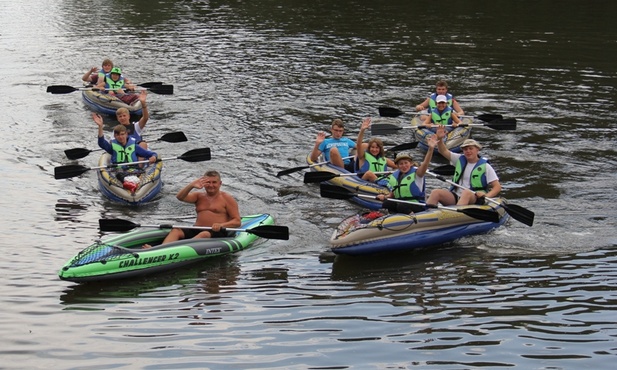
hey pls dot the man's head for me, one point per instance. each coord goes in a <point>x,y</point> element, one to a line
<point>337,129</point>
<point>211,182</point>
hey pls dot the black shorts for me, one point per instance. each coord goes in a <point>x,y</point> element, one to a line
<point>351,165</point>
<point>191,233</point>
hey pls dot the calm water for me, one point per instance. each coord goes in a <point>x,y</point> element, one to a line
<point>255,81</point>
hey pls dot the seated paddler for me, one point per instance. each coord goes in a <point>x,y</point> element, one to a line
<point>407,183</point>
<point>122,148</point>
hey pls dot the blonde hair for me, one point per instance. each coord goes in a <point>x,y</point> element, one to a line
<point>122,110</point>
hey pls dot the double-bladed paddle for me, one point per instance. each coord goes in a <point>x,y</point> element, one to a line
<point>300,168</point>
<point>389,128</point>
<point>517,212</point>
<point>312,177</point>
<point>72,170</point>
<point>152,87</point>
<point>336,192</point>
<point>171,137</point>
<point>393,112</point>
<point>263,231</point>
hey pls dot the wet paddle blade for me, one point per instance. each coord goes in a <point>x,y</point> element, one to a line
<point>502,124</point>
<point>520,214</point>
<point>334,192</point>
<point>174,137</point>
<point>162,89</point>
<point>116,225</point>
<point>77,153</point>
<point>270,232</point>
<point>393,205</point>
<point>71,170</point>
<point>384,129</point>
<point>61,89</point>
<point>389,112</point>
<point>150,84</point>
<point>312,177</point>
<point>445,170</point>
<point>481,214</point>
<point>401,147</point>
<point>489,117</point>
<point>196,155</point>
<point>292,170</point>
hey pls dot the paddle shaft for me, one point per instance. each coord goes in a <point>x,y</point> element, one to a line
<point>172,137</point>
<point>335,192</point>
<point>517,212</point>
<point>300,168</point>
<point>265,231</point>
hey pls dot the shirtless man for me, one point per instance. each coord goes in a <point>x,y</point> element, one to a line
<point>215,208</point>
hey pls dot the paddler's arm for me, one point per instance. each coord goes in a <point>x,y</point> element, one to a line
<point>441,146</point>
<point>321,136</point>
<point>185,195</point>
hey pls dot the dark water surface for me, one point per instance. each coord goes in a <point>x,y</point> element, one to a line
<point>255,81</point>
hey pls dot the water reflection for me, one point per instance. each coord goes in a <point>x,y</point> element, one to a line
<point>207,277</point>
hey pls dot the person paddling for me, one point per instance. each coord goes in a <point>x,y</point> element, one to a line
<point>471,171</point>
<point>215,208</point>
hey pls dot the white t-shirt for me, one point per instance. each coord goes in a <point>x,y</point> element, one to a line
<point>491,175</point>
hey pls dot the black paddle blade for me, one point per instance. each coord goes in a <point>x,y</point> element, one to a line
<point>403,207</point>
<point>445,170</point>
<point>520,214</point>
<point>174,137</point>
<point>77,153</point>
<point>150,84</point>
<point>384,129</point>
<point>196,155</point>
<point>481,214</point>
<point>312,177</point>
<point>61,89</point>
<point>292,170</point>
<point>334,192</point>
<point>270,232</point>
<point>389,112</point>
<point>162,89</point>
<point>116,225</point>
<point>502,124</point>
<point>401,147</point>
<point>71,170</point>
<point>489,117</point>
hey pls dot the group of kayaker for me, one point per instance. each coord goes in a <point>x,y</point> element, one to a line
<point>407,182</point>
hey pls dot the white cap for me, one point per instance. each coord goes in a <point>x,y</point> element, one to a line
<point>441,98</point>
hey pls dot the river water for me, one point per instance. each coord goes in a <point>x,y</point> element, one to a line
<point>255,81</point>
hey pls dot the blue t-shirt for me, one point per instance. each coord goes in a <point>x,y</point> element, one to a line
<point>343,145</point>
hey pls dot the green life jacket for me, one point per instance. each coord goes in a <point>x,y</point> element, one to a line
<point>404,187</point>
<point>123,154</point>
<point>373,164</point>
<point>478,174</point>
<point>113,85</point>
<point>432,104</point>
<point>441,118</point>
